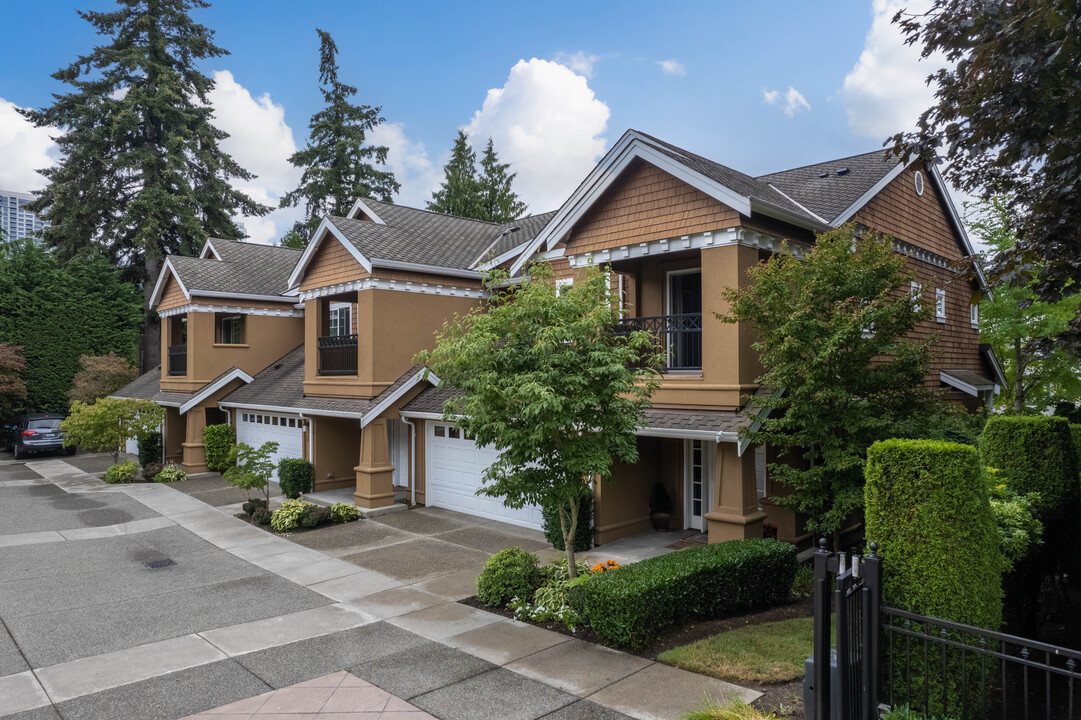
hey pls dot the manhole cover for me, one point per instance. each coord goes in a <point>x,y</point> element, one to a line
<point>155,564</point>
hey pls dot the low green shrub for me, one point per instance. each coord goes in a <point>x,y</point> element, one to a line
<point>254,504</point>
<point>629,605</point>
<point>344,512</point>
<point>1075,436</point>
<point>550,602</point>
<point>149,449</point>
<point>295,476</point>
<point>583,533</point>
<point>124,472</point>
<point>261,516</point>
<point>511,573</point>
<point>150,470</point>
<point>289,515</point>
<point>170,473</point>
<point>218,441</point>
<point>904,712</point>
<point>1034,454</point>
<point>315,517</point>
<point>1017,519</point>
<point>803,584</point>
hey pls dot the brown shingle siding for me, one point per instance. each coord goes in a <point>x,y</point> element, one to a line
<point>172,296</point>
<point>331,265</point>
<point>958,344</point>
<point>917,219</point>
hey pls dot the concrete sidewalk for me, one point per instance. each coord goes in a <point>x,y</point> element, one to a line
<point>98,626</point>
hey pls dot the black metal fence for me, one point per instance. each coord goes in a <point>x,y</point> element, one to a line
<point>679,337</point>
<point>887,657</point>
<point>178,359</point>
<point>338,355</point>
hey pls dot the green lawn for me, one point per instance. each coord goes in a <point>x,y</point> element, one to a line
<point>768,653</point>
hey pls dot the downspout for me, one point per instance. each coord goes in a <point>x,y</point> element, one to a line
<point>311,444</point>
<point>412,459</point>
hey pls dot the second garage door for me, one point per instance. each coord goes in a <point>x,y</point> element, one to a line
<point>455,467</point>
<point>258,428</point>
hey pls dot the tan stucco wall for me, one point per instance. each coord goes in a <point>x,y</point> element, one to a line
<point>337,451</point>
<point>173,437</point>
<point>622,503</point>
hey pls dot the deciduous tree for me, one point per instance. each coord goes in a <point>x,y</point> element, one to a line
<point>12,385</point>
<point>339,166</point>
<point>100,375</point>
<point>109,423</point>
<point>547,384</point>
<point>252,467</point>
<point>832,334</point>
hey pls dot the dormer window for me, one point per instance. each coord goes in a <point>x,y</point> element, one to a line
<point>230,329</point>
<point>341,320</point>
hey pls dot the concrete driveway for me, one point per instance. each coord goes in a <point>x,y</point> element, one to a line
<point>142,601</point>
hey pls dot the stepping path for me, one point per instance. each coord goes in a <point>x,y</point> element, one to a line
<point>381,613</point>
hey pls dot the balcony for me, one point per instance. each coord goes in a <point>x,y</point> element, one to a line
<point>178,359</point>
<point>338,355</point>
<point>679,337</point>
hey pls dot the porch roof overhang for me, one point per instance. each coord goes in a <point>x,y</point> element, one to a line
<point>968,382</point>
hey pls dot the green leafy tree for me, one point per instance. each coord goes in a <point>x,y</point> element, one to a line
<point>100,375</point>
<point>60,313</point>
<point>12,385</point>
<point>1007,119</point>
<point>459,194</point>
<point>109,423</point>
<point>294,239</point>
<point>832,334</point>
<point>1015,322</point>
<point>338,166</point>
<point>498,201</point>
<point>547,384</point>
<point>141,173</point>
<point>252,467</point>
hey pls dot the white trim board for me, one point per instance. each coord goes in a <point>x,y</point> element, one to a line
<point>159,286</point>
<point>422,375</point>
<point>698,241</point>
<point>963,386</point>
<point>199,307</point>
<point>359,206</point>
<point>403,286</point>
<point>214,386</point>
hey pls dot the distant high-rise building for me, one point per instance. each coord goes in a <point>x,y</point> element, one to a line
<point>15,220</point>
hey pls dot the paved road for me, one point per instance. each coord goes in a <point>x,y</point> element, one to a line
<point>140,601</point>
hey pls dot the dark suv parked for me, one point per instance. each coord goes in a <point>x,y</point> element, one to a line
<point>35,432</point>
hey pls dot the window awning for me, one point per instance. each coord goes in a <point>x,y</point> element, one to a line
<point>967,382</point>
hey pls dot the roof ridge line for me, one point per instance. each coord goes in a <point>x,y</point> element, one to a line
<point>433,212</point>
<point>820,162</point>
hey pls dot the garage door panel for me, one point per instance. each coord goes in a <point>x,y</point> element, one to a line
<point>290,439</point>
<point>457,467</point>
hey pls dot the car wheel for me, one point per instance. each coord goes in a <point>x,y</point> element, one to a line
<point>19,453</point>
<point>71,450</point>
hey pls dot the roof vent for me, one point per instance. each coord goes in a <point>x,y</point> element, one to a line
<point>823,175</point>
<point>842,171</point>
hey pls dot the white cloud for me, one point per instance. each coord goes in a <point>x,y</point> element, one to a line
<point>885,91</point>
<point>25,149</point>
<point>418,175</point>
<point>794,102</point>
<point>672,67</point>
<point>580,62</point>
<point>261,142</point>
<point>548,124</point>
<point>770,96</point>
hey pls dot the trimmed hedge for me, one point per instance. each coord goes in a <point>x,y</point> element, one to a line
<point>583,534</point>
<point>1034,454</point>
<point>122,472</point>
<point>1075,436</point>
<point>629,605</point>
<point>150,449</point>
<point>218,441</point>
<point>510,573</point>
<point>295,476</point>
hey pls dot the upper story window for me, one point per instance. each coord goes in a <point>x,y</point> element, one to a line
<point>230,329</point>
<point>974,316</point>
<point>916,291</point>
<point>341,319</point>
<point>940,305</point>
<point>563,284</point>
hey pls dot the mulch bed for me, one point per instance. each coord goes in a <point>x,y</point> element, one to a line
<point>787,695</point>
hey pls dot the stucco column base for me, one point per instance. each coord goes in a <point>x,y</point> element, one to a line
<point>194,458</point>
<point>732,526</point>
<point>375,486</point>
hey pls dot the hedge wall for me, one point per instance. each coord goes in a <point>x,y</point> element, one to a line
<point>218,441</point>
<point>1034,454</point>
<point>1075,436</point>
<point>927,507</point>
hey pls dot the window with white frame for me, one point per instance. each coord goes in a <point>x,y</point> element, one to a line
<point>563,284</point>
<point>940,305</point>
<point>974,315</point>
<point>230,329</point>
<point>916,291</point>
<point>341,319</point>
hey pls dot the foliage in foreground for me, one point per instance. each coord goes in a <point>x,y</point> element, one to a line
<point>510,573</point>
<point>735,710</point>
<point>122,472</point>
<point>1034,454</point>
<point>109,423</point>
<point>295,477</point>
<point>824,324</point>
<point>12,385</point>
<point>170,473</point>
<point>773,652</point>
<point>218,442</point>
<point>251,468</point>
<point>295,514</point>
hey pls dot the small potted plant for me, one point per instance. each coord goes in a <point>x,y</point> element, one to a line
<point>660,507</point>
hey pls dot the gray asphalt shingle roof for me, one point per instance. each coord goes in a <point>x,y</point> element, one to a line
<point>148,387</point>
<point>831,195</point>
<point>244,269</point>
<point>970,378</point>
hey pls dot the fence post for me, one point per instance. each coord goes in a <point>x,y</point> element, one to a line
<point>872,624</point>
<point>821,679</point>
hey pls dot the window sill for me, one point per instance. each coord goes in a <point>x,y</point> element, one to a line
<point>940,320</point>
<point>231,345</point>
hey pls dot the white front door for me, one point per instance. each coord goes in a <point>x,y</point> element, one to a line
<point>697,463</point>
<point>286,430</point>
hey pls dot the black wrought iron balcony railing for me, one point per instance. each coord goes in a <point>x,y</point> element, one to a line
<point>678,337</point>
<point>178,359</point>
<point>338,355</point>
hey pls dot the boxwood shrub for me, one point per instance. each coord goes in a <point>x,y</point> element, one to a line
<point>125,472</point>
<point>510,573</point>
<point>295,476</point>
<point>583,534</point>
<point>218,441</point>
<point>1034,454</point>
<point>631,604</point>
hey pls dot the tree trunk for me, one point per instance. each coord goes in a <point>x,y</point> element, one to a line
<point>1018,377</point>
<point>569,525</point>
<point>150,350</point>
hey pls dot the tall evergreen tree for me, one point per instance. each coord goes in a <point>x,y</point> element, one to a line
<point>142,174</point>
<point>459,194</point>
<point>498,201</point>
<point>338,166</point>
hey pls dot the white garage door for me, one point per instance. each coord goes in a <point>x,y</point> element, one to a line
<point>455,466</point>
<point>258,428</point>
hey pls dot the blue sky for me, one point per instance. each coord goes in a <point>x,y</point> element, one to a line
<point>758,86</point>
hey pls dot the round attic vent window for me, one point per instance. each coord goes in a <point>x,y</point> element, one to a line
<point>919,182</point>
